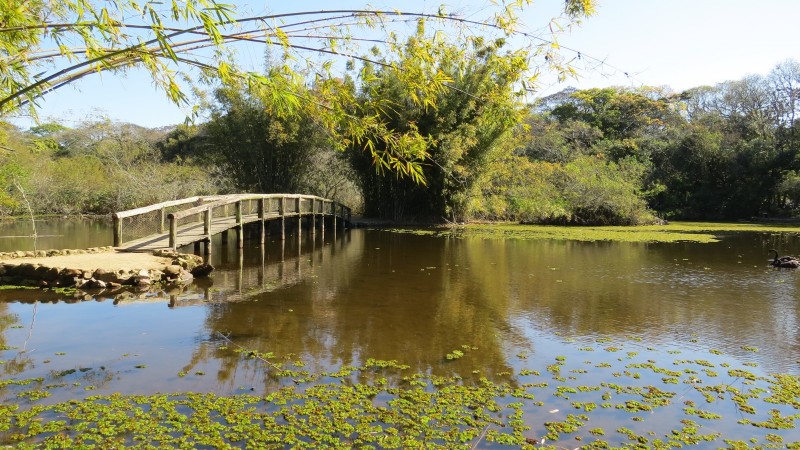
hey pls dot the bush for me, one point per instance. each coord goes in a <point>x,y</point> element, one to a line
<point>585,191</point>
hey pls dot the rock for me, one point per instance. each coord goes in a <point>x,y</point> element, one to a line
<point>166,253</point>
<point>68,277</point>
<point>51,274</point>
<point>141,281</point>
<point>71,273</point>
<point>186,277</point>
<point>203,270</point>
<point>10,269</point>
<point>94,284</point>
<point>27,271</point>
<point>41,272</point>
<point>108,276</point>
<point>99,273</point>
<point>121,276</point>
<point>122,297</point>
<point>172,272</point>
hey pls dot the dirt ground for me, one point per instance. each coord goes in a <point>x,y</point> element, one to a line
<point>112,261</point>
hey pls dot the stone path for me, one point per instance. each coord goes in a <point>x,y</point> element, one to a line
<point>89,261</point>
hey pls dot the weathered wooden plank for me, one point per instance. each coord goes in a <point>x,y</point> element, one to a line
<point>188,233</point>
<point>157,206</point>
<point>202,228</point>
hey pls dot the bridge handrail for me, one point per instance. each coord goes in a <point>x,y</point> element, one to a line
<point>170,203</point>
<point>204,207</point>
<point>242,197</point>
<point>156,207</point>
<point>208,203</point>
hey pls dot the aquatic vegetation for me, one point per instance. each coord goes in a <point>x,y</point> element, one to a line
<point>362,407</point>
<point>455,354</point>
<point>672,232</point>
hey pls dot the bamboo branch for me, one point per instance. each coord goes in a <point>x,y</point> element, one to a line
<point>249,352</point>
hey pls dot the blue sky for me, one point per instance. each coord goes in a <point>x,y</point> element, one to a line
<point>676,43</point>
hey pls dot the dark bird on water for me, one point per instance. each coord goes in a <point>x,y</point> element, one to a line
<point>786,262</point>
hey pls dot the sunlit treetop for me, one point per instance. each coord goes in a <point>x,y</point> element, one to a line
<point>47,44</point>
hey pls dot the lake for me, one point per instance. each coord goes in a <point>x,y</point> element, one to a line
<point>568,321</point>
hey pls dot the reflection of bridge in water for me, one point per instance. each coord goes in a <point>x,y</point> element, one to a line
<point>196,219</point>
<point>282,264</point>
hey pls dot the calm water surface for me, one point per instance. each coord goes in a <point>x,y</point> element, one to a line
<point>509,305</point>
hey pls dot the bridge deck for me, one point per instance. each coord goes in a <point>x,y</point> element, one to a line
<point>192,232</point>
<point>187,216</point>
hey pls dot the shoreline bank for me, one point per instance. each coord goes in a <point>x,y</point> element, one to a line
<point>99,268</point>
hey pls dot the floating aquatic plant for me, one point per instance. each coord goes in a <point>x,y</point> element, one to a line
<point>382,403</point>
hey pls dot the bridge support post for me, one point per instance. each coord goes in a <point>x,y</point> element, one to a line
<point>322,225</point>
<point>313,218</point>
<point>207,225</point>
<point>239,225</point>
<point>117,231</point>
<point>335,218</point>
<point>299,218</point>
<point>282,212</point>
<point>261,218</point>
<point>173,233</point>
<point>162,216</point>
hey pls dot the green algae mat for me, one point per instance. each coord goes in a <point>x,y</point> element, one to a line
<point>673,232</point>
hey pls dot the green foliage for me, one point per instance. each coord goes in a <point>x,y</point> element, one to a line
<point>588,190</point>
<point>257,148</point>
<point>386,404</point>
<point>262,152</point>
<point>100,168</point>
<point>91,36</point>
<point>723,152</point>
<point>599,192</point>
<point>458,131</point>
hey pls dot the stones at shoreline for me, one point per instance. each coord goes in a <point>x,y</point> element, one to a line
<point>181,271</point>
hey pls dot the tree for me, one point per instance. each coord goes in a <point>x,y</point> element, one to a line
<point>458,140</point>
<point>90,37</point>
<point>256,148</point>
<point>97,167</point>
<point>626,119</point>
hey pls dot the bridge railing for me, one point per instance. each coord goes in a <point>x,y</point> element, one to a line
<point>168,217</point>
<point>145,221</point>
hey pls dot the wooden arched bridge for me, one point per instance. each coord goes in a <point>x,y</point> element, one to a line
<point>173,224</point>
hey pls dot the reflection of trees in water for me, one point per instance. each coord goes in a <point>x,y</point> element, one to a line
<point>781,293</point>
<point>415,299</point>
<point>723,292</point>
<point>380,295</point>
<point>20,362</point>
